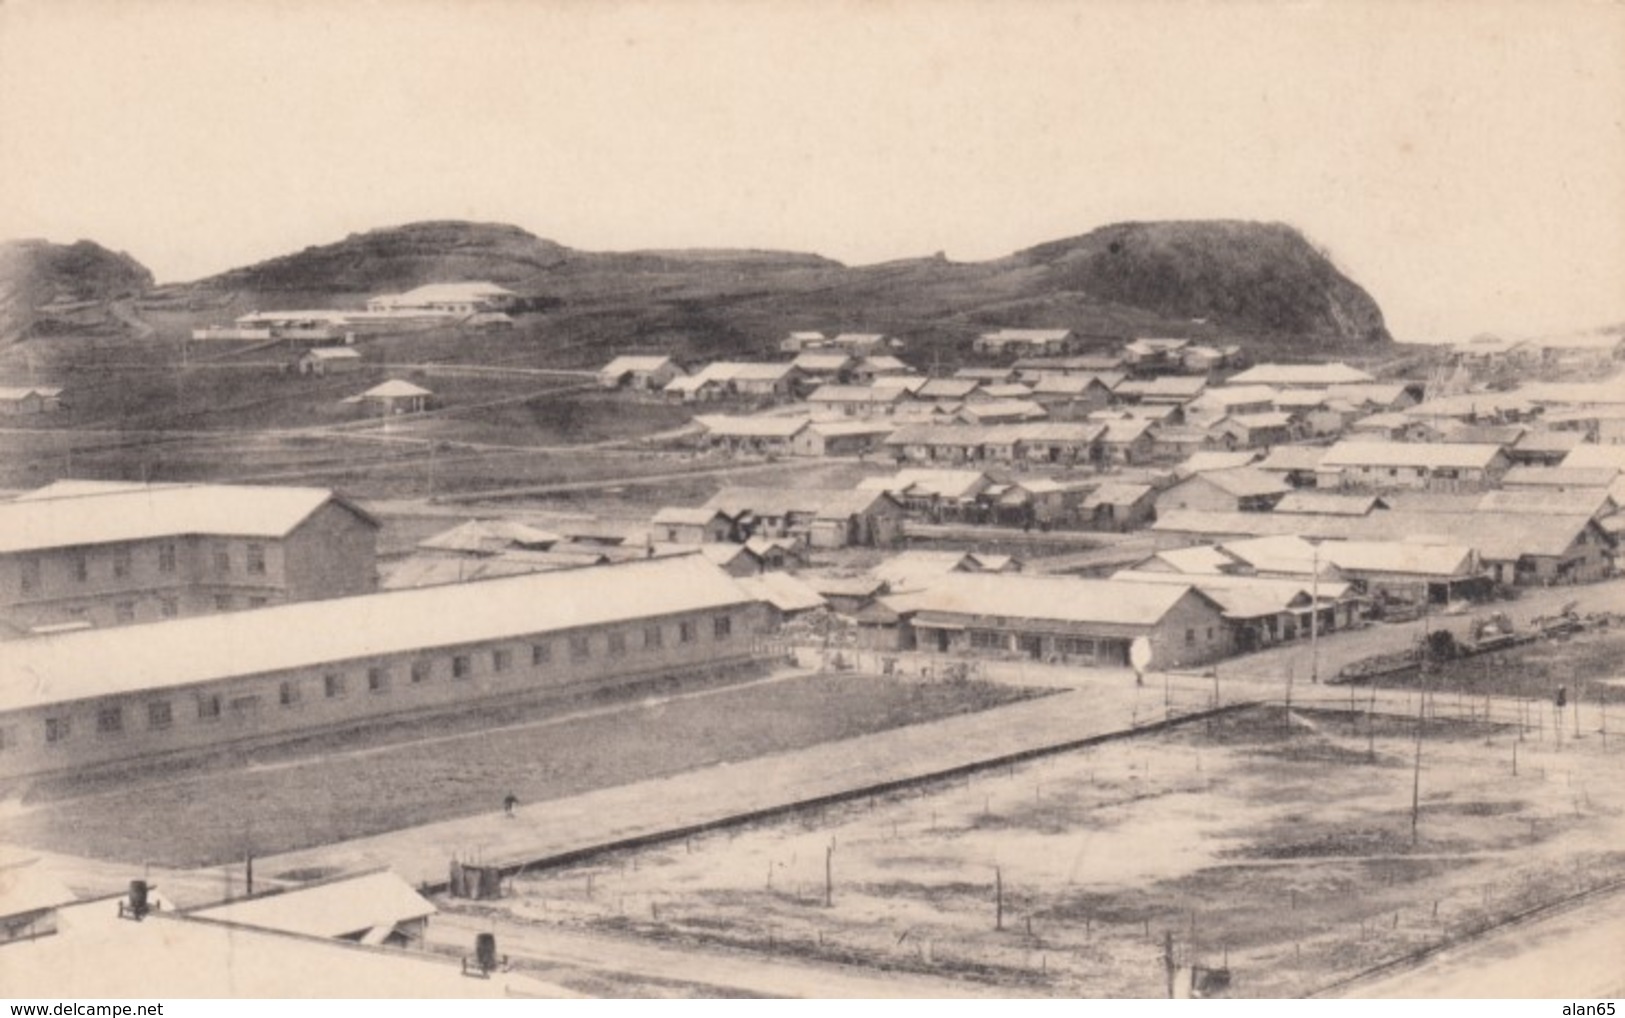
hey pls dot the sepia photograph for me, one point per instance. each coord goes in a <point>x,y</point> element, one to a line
<point>931,499</point>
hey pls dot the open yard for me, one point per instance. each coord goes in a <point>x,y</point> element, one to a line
<point>1277,843</point>
<point>1577,663</point>
<point>356,783</point>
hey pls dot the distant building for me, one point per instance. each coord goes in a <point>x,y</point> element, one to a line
<point>1025,342</point>
<point>643,374</point>
<point>456,299</point>
<point>394,397</point>
<point>329,360</point>
<point>1431,466</point>
<point>1302,376</point>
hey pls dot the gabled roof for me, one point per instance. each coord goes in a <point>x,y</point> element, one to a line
<point>147,512</point>
<point>489,537</point>
<point>816,360</point>
<point>1434,455</point>
<point>1549,502</point>
<point>1328,503</point>
<point>746,371</point>
<point>1560,477</point>
<point>883,362</point>
<point>1237,395</point>
<point>333,353</point>
<point>1301,374</point>
<point>783,591</point>
<point>1400,557</point>
<point>395,388</point>
<point>1590,455</point>
<point>1288,458</point>
<point>1116,493</point>
<point>333,908</point>
<point>1270,419</point>
<point>132,659</point>
<point>1121,432</point>
<point>1242,482</point>
<point>856,394</point>
<point>820,503</point>
<point>634,363</point>
<point>751,427</point>
<point>951,484</point>
<point>1066,385</point>
<point>1004,409</point>
<point>1172,386</point>
<point>1006,390</point>
<point>1049,598</point>
<point>1208,461</point>
<point>947,388</point>
<point>832,429</point>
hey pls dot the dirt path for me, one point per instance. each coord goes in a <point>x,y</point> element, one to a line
<point>766,976</point>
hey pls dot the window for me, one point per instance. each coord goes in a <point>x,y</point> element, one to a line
<point>168,607</point>
<point>541,653</point>
<point>159,714</point>
<point>222,602</point>
<point>222,558</point>
<point>421,670</point>
<point>80,566</point>
<point>501,660</point>
<point>110,720</point>
<point>333,685</point>
<point>288,694</point>
<point>462,666</point>
<point>256,559</point>
<point>166,557</point>
<point>377,680</point>
<point>1190,636</point>
<point>57,729</point>
<point>208,707</point>
<point>8,738</point>
<point>986,639</point>
<point>722,627</point>
<point>686,632</point>
<point>258,602</point>
<point>580,648</point>
<point>124,611</point>
<point>30,575</point>
<point>1210,634</point>
<point>121,562</point>
<point>651,637</point>
<point>617,644</point>
<point>1075,646</point>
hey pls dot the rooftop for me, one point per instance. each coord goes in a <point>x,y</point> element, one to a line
<point>127,659</point>
<point>1059,599</point>
<point>77,513</point>
<point>332,908</point>
<point>1301,374</point>
<point>1434,455</point>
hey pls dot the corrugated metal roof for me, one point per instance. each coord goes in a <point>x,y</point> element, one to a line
<point>395,388</point>
<point>147,512</point>
<point>622,365</point>
<point>752,427</point>
<point>165,655</point>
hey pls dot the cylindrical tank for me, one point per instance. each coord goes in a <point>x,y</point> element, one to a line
<point>138,897</point>
<point>485,950</point>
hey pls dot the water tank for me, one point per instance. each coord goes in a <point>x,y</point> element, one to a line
<point>138,897</point>
<point>485,951</point>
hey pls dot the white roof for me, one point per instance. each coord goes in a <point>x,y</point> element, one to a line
<point>1059,599</point>
<point>27,886</point>
<point>751,427</point>
<point>1210,460</point>
<point>1435,455</point>
<point>128,659</point>
<point>488,537</point>
<point>814,360</point>
<point>1027,335</point>
<point>945,483</point>
<point>75,513</point>
<point>1301,374</point>
<point>171,956</point>
<point>783,591</point>
<point>1589,455</point>
<point>333,353</point>
<point>448,292</point>
<point>331,909</point>
<point>621,365</point>
<point>395,388</point>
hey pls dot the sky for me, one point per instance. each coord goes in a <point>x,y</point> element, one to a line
<point>1463,162</point>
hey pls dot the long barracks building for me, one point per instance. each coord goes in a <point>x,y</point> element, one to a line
<point>99,697</point>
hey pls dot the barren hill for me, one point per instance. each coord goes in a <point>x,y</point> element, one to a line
<point>48,288</point>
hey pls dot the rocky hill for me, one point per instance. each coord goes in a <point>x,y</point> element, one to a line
<point>1247,282</point>
<point>1265,276</point>
<point>49,288</point>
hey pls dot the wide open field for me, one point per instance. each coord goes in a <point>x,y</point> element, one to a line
<point>353,784</point>
<point>1269,841</point>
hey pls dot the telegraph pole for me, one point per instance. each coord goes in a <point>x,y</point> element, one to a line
<point>1314,617</point>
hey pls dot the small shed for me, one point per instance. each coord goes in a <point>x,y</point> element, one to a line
<point>328,360</point>
<point>395,397</point>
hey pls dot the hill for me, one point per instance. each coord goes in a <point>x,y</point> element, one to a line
<point>1259,284</point>
<point>50,288</point>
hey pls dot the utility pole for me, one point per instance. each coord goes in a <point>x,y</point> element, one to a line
<point>1314,616</point>
<point>998,899</point>
<point>1416,773</point>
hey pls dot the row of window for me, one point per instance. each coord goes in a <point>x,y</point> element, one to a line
<point>79,563</point>
<point>160,713</point>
